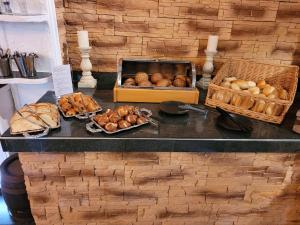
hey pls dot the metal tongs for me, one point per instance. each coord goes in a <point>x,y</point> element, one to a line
<point>194,108</point>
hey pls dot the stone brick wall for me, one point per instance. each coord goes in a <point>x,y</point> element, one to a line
<point>264,30</point>
<point>163,188</point>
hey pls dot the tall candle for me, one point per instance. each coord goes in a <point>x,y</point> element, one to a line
<point>83,39</point>
<point>212,43</point>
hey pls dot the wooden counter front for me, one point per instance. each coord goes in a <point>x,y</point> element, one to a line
<point>167,188</point>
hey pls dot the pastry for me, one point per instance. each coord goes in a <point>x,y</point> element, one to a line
<point>129,108</point>
<point>63,100</point>
<point>92,107</point>
<point>251,84</point>
<point>226,84</point>
<point>236,100</point>
<point>102,119</point>
<point>145,83</point>
<point>66,106</point>
<point>122,111</point>
<point>140,77</point>
<point>78,98</point>
<point>114,117</point>
<point>247,102</point>
<point>230,79</point>
<point>141,120</point>
<point>254,90</point>
<point>235,86</point>
<point>108,112</point>
<point>163,83</point>
<point>131,118</point>
<point>179,82</point>
<point>129,82</point>
<point>111,127</point>
<point>123,124</point>
<point>259,106</point>
<point>268,89</point>
<point>283,94</point>
<point>242,84</point>
<point>182,77</point>
<point>156,77</point>
<point>261,84</point>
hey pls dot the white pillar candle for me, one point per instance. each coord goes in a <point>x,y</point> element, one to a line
<point>83,39</point>
<point>212,43</point>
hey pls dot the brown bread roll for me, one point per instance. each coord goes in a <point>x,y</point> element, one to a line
<point>156,77</point>
<point>259,106</point>
<point>179,83</point>
<point>182,77</point>
<point>251,84</point>
<point>129,81</point>
<point>227,97</point>
<point>254,90</point>
<point>122,111</point>
<point>261,84</point>
<point>278,109</point>
<point>163,83</point>
<point>114,117</point>
<point>124,124</point>
<point>242,84</point>
<point>226,84</point>
<point>111,127</point>
<point>102,119</point>
<point>131,118</point>
<point>236,100</point>
<point>108,112</point>
<point>247,102</point>
<point>230,79</point>
<point>235,86</point>
<point>140,77</point>
<point>268,89</point>
<point>269,110</point>
<point>63,100</point>
<point>145,83</point>
<point>283,94</point>
<point>218,95</point>
<point>130,108</point>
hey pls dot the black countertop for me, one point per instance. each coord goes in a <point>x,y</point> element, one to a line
<point>189,133</point>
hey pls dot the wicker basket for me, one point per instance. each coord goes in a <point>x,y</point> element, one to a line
<point>284,76</point>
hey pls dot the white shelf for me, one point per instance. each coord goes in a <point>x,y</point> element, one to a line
<point>42,78</point>
<point>24,18</point>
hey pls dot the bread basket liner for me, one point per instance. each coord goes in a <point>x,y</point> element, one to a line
<point>44,132</point>
<point>90,125</point>
<point>81,116</point>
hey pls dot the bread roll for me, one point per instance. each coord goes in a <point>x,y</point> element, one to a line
<point>270,108</point>
<point>230,79</point>
<point>283,94</point>
<point>140,77</point>
<point>131,119</point>
<point>179,83</point>
<point>102,119</point>
<point>261,84</point>
<point>251,84</point>
<point>124,124</point>
<point>218,95</point>
<point>242,84</point>
<point>225,84</point>
<point>163,83</point>
<point>182,77</point>
<point>111,127</point>
<point>247,102</point>
<point>268,90</point>
<point>168,76</point>
<point>156,77</point>
<point>129,81</point>
<point>235,86</point>
<point>236,100</point>
<point>114,117</point>
<point>145,83</point>
<point>122,111</point>
<point>227,97</point>
<point>254,90</point>
<point>259,106</point>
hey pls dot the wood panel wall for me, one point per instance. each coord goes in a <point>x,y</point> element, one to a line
<point>263,30</point>
<point>163,188</point>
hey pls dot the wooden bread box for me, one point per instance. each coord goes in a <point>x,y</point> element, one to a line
<point>128,68</point>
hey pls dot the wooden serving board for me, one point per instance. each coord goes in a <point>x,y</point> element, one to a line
<point>156,96</point>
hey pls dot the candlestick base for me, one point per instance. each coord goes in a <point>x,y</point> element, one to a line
<point>87,80</point>
<point>207,69</point>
